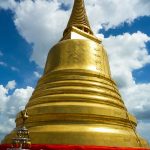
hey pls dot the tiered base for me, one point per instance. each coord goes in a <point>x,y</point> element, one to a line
<point>73,147</point>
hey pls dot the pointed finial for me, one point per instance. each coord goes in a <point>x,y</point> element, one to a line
<point>79,18</point>
<point>24,116</point>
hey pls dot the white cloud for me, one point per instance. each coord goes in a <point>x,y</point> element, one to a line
<point>19,98</point>
<point>46,29</point>
<point>11,85</point>
<point>137,98</point>
<point>7,4</point>
<point>127,52</point>
<point>143,129</point>
<point>37,74</point>
<point>112,13</point>
<point>10,105</point>
<point>14,69</point>
<point>1,54</point>
<point>3,98</point>
<point>3,64</point>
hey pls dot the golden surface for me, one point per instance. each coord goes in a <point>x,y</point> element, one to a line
<point>75,33</point>
<point>79,18</point>
<point>76,101</point>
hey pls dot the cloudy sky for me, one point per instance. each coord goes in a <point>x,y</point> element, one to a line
<point>29,28</point>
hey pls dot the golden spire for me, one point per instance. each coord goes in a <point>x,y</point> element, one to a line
<point>79,18</point>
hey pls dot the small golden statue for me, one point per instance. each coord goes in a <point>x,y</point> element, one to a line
<point>24,116</point>
<point>22,141</point>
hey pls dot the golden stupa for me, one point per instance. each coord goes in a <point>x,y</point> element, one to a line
<point>76,101</point>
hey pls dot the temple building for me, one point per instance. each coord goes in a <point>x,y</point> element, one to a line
<point>76,102</point>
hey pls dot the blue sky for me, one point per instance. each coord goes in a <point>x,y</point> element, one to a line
<point>28,29</point>
<point>16,53</point>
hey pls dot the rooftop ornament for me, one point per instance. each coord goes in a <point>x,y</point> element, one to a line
<point>22,141</point>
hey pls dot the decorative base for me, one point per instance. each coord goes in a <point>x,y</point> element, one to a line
<point>82,135</point>
<point>72,147</point>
